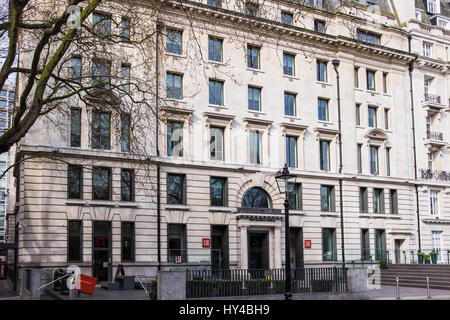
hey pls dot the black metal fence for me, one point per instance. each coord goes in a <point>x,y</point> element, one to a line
<point>240,282</point>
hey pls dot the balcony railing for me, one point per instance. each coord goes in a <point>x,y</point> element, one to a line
<point>429,97</point>
<point>435,135</point>
<point>427,174</point>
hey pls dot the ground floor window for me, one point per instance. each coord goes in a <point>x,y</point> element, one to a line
<point>329,252</point>
<point>74,240</point>
<point>177,242</point>
<point>380,245</point>
<point>128,241</point>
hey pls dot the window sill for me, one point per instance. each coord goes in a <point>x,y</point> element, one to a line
<point>290,77</point>
<point>175,55</point>
<point>256,112</point>
<point>221,209</point>
<point>323,84</point>
<point>217,106</point>
<point>359,127</point>
<point>101,203</point>
<point>255,70</point>
<point>372,92</point>
<point>380,215</point>
<point>297,212</point>
<point>292,118</point>
<point>176,100</point>
<point>76,202</point>
<point>128,204</point>
<point>387,95</point>
<point>219,63</point>
<point>359,89</point>
<point>329,214</point>
<point>181,207</point>
<point>326,123</point>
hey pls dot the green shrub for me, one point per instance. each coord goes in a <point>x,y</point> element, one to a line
<point>322,285</point>
<point>383,263</point>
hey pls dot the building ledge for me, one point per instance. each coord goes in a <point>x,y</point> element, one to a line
<point>436,221</point>
<point>221,209</point>
<point>379,216</point>
<point>180,207</point>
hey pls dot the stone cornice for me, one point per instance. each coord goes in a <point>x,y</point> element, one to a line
<point>298,33</point>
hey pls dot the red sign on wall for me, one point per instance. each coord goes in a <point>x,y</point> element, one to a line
<point>206,242</point>
<point>308,244</point>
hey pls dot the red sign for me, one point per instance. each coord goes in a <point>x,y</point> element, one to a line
<point>206,242</point>
<point>308,244</point>
<point>87,284</point>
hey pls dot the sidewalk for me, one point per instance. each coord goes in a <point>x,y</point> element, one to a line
<point>407,293</point>
<point>6,292</point>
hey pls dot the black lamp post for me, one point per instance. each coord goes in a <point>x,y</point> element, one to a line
<point>285,186</point>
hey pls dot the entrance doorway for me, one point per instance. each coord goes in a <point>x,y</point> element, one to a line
<point>102,251</point>
<point>219,247</point>
<point>258,249</point>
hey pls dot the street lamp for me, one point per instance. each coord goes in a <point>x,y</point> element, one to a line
<point>286,182</point>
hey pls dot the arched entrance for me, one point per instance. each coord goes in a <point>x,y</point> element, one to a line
<point>256,197</point>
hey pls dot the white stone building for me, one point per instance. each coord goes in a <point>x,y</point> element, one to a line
<point>263,93</point>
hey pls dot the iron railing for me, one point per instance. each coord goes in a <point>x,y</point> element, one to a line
<point>433,135</point>
<point>427,174</point>
<point>429,97</point>
<point>240,282</point>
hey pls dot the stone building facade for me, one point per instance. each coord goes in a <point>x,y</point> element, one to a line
<point>262,93</point>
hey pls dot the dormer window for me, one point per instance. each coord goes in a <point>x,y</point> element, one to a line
<point>418,15</point>
<point>433,6</point>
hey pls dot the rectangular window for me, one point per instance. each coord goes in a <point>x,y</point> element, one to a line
<point>393,201</point>
<point>101,130</point>
<point>322,71</point>
<point>378,200</point>
<point>216,92</point>
<point>101,24</point>
<point>370,75</point>
<point>359,157</point>
<point>127,185</point>
<point>101,73</point>
<point>125,132</point>
<point>372,115</point>
<point>125,75</point>
<point>253,55</point>
<point>216,143</point>
<point>255,147</point>
<point>368,37</point>
<point>287,18</point>
<point>174,84</point>
<point>291,151</point>
<point>176,188</point>
<point>174,41</point>
<point>101,183</point>
<point>363,200</point>
<point>174,138</point>
<point>176,242</point>
<point>288,64</point>
<point>374,168</point>
<point>76,69</point>
<point>252,9</point>
<point>329,252</point>
<point>75,128</point>
<point>219,192</point>
<point>125,24</point>
<point>74,182</point>
<point>358,114</point>
<point>325,155</point>
<point>430,161</point>
<point>74,237</point>
<point>215,49</point>
<point>319,26</point>
<point>388,161</point>
<point>386,119</point>
<point>327,202</point>
<point>295,197</point>
<point>323,109</point>
<point>427,50</point>
<point>215,3</point>
<point>356,77</point>
<point>380,245</point>
<point>385,75</point>
<point>128,243</point>
<point>254,99</point>
<point>365,244</point>
<point>289,104</point>
<point>434,203</point>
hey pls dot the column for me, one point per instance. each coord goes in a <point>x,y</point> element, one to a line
<point>244,253</point>
<point>277,247</point>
